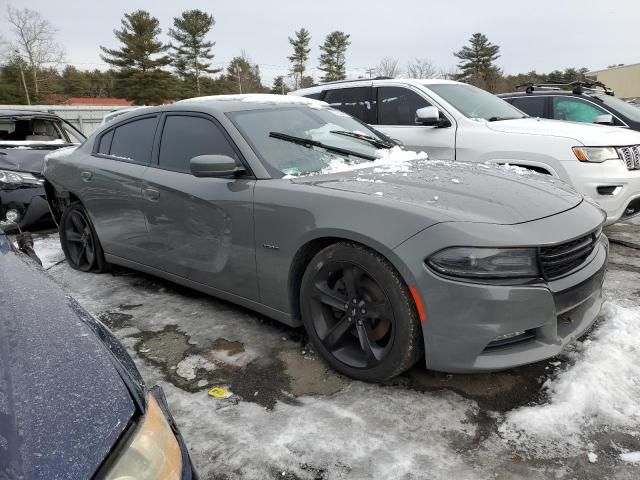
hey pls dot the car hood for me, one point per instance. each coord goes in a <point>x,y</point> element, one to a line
<point>65,402</point>
<point>25,158</point>
<point>455,191</point>
<point>584,133</point>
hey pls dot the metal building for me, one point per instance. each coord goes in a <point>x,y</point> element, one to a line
<point>624,80</point>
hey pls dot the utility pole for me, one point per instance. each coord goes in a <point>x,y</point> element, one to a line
<point>370,72</point>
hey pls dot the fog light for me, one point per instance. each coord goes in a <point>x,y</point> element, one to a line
<point>507,336</point>
<point>12,216</point>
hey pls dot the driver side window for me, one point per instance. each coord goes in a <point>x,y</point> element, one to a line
<point>397,106</point>
<point>575,110</point>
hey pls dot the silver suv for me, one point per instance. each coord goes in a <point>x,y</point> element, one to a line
<point>454,121</point>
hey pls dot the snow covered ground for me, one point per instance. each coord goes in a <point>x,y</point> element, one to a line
<point>575,416</point>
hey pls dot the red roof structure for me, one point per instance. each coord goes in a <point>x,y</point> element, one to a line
<point>100,102</point>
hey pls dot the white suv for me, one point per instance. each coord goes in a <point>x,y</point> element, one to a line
<point>455,121</point>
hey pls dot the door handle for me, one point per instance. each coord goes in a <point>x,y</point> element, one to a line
<point>86,175</point>
<point>151,193</point>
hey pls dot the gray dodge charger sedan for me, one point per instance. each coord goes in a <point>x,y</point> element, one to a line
<point>306,215</point>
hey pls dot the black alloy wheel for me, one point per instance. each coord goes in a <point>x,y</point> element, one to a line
<point>359,314</point>
<point>79,241</point>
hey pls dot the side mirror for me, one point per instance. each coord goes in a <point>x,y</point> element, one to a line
<point>214,166</point>
<point>604,119</point>
<point>430,116</point>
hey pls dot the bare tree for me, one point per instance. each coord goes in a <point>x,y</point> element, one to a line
<point>388,67</point>
<point>34,41</point>
<point>421,68</point>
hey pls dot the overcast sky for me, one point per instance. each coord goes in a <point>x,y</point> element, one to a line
<point>540,35</point>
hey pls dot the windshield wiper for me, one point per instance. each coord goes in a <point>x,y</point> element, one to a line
<point>376,142</point>
<point>308,142</point>
<point>498,119</point>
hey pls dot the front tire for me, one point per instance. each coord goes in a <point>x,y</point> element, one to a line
<point>359,314</point>
<point>79,241</point>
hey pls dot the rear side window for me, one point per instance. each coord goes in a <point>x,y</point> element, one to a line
<point>105,143</point>
<point>397,106</point>
<point>354,101</point>
<point>134,140</point>
<point>532,106</point>
<point>185,137</point>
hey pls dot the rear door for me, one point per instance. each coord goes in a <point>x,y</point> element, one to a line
<point>356,101</point>
<point>111,185</point>
<point>396,112</point>
<point>199,228</point>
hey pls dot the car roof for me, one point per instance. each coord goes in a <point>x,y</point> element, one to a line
<point>251,101</point>
<point>418,82</point>
<point>6,112</point>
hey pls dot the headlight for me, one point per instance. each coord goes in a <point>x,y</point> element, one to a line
<point>16,178</point>
<point>486,262</point>
<point>595,154</point>
<point>151,452</point>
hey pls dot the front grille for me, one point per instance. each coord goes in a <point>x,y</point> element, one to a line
<point>630,156</point>
<point>557,260</point>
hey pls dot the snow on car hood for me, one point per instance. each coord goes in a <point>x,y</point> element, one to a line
<point>584,133</point>
<point>455,191</point>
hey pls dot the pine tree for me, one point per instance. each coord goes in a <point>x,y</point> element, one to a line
<point>333,56</point>
<point>477,66</point>
<point>140,59</point>
<point>243,76</point>
<point>279,86</point>
<point>300,55</point>
<point>192,54</point>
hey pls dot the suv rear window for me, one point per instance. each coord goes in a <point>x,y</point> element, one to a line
<point>355,101</point>
<point>533,106</point>
<point>134,140</point>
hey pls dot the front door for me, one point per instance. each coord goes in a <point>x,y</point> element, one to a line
<point>396,118</point>
<point>199,228</point>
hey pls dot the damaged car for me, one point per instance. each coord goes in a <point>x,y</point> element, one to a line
<point>307,215</point>
<point>26,137</point>
<point>72,402</point>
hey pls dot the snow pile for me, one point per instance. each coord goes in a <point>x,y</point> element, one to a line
<point>633,457</point>
<point>353,434</point>
<point>390,160</point>
<point>187,368</point>
<point>21,143</point>
<point>48,250</point>
<point>260,98</point>
<point>600,391</point>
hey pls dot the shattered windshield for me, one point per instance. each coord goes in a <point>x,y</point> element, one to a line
<point>277,134</point>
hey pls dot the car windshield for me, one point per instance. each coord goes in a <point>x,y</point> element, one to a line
<point>632,112</point>
<point>276,135</point>
<point>473,102</point>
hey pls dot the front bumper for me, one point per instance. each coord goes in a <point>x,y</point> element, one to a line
<point>464,320</point>
<point>31,204</point>
<point>615,188</point>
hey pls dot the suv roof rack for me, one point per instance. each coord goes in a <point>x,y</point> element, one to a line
<point>578,87</point>
<point>350,80</point>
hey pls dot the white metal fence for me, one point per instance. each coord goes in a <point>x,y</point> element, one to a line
<point>87,118</point>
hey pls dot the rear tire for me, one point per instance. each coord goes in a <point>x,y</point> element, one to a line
<point>359,313</point>
<point>79,241</point>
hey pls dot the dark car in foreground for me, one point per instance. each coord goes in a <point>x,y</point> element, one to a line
<point>72,403</point>
<point>25,138</point>
<point>307,215</point>
<point>586,102</point>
